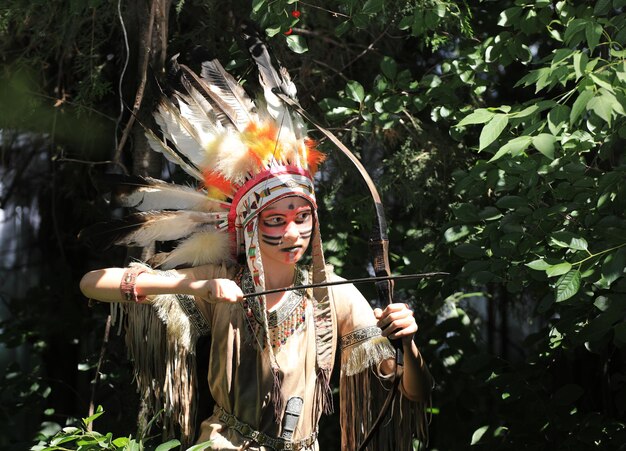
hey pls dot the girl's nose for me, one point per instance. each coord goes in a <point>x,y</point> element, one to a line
<point>291,231</point>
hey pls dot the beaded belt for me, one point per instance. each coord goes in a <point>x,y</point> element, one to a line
<point>260,437</point>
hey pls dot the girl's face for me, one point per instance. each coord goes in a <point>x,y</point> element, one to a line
<point>285,229</point>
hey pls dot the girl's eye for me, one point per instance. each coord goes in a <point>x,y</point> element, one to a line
<point>273,220</point>
<point>304,216</point>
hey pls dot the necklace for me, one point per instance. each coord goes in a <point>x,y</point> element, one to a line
<point>283,322</point>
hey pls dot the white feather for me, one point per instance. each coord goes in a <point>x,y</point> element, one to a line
<point>199,249</point>
<point>159,195</point>
<point>228,111</point>
<point>169,225</point>
<point>180,131</point>
<point>227,88</point>
<point>159,146</point>
<point>232,159</point>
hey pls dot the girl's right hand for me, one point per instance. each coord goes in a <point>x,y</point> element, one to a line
<point>218,290</point>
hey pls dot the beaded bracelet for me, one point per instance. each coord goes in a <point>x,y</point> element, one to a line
<point>128,282</point>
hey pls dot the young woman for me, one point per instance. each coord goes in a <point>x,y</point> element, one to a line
<point>245,231</point>
<point>240,374</point>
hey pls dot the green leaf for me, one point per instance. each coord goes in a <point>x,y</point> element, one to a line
<point>613,266</point>
<point>509,16</point>
<point>580,105</point>
<point>168,445</point>
<point>568,285</point>
<point>478,434</point>
<point>120,442</point>
<point>568,240</point>
<point>389,67</point>
<point>355,91</point>
<point>525,112</point>
<point>600,106</point>
<point>557,118</point>
<point>580,63</point>
<point>479,116</point>
<point>560,55</point>
<point>492,130</point>
<point>593,32</point>
<point>92,418</point>
<point>573,28</point>
<point>297,44</point>
<point>257,5</point>
<point>456,233</point>
<point>468,251</point>
<point>602,8</point>
<point>200,446</point>
<point>558,270</point>
<point>511,202</point>
<point>372,6</point>
<point>538,265</point>
<point>544,143</point>
<point>599,81</point>
<point>513,147</point>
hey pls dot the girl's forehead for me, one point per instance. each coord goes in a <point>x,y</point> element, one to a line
<point>287,204</point>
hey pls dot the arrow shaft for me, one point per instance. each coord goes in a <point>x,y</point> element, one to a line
<point>343,282</point>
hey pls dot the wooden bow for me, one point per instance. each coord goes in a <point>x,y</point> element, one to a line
<point>379,248</point>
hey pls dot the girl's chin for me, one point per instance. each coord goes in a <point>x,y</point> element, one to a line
<point>293,257</point>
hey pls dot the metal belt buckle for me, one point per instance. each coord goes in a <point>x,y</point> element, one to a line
<point>288,445</point>
<point>254,435</point>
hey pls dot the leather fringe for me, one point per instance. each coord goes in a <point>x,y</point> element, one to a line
<point>362,394</point>
<point>160,340</point>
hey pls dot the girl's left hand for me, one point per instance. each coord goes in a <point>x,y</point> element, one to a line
<point>396,321</point>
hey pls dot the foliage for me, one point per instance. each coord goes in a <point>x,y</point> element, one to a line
<point>495,131</point>
<point>83,438</point>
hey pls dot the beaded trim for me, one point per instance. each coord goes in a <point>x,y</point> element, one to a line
<point>359,335</point>
<point>283,322</point>
<point>260,437</point>
<point>188,305</point>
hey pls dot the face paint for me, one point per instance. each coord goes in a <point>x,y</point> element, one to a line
<point>285,229</point>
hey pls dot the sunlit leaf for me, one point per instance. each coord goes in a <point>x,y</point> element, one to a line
<point>479,116</point>
<point>492,130</point>
<point>558,270</point>
<point>297,44</point>
<point>168,445</point>
<point>478,434</point>
<point>539,265</point>
<point>557,118</point>
<point>593,33</point>
<point>568,285</point>
<point>580,105</point>
<point>544,143</point>
<point>580,63</point>
<point>355,91</point>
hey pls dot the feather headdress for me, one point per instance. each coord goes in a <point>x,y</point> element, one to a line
<point>214,132</point>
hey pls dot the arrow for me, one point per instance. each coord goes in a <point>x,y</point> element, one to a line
<point>352,281</point>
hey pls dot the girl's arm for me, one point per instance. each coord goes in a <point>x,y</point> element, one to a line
<point>397,322</point>
<point>104,285</point>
